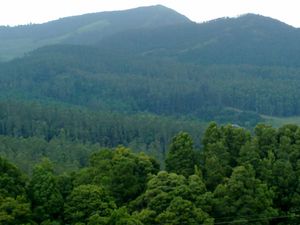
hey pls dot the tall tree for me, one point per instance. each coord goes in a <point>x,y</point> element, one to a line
<point>12,180</point>
<point>181,156</point>
<point>44,193</point>
<point>120,171</point>
<point>244,199</point>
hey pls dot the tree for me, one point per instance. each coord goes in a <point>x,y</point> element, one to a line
<point>120,171</point>
<point>199,195</point>
<point>182,211</point>
<point>161,190</point>
<point>129,174</point>
<point>171,199</point>
<point>265,139</point>
<point>212,134</point>
<point>216,164</point>
<point>181,156</point>
<point>234,138</point>
<point>15,211</point>
<point>47,201</point>
<point>12,180</point>
<point>249,154</point>
<point>118,217</point>
<point>86,201</point>
<point>244,198</point>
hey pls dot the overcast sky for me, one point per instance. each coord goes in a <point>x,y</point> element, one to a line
<point>14,12</point>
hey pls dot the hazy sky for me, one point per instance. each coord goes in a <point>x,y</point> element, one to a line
<point>13,12</point>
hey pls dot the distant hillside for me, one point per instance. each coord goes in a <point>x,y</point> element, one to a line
<point>228,70</point>
<point>99,80</point>
<point>161,32</point>
<point>249,39</point>
<point>85,29</point>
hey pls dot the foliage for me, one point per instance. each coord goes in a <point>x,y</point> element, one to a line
<point>78,105</point>
<point>123,173</point>
<point>12,180</point>
<point>86,201</point>
<point>181,156</point>
<point>44,193</point>
<point>68,135</point>
<point>15,211</point>
<point>239,177</point>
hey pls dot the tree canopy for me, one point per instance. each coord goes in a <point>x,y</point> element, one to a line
<point>235,177</point>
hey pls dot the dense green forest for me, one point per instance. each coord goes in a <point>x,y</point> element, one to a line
<point>235,177</point>
<point>67,135</point>
<point>104,80</point>
<point>227,70</point>
<point>105,119</point>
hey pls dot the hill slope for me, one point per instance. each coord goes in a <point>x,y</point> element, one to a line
<point>230,70</point>
<point>84,29</point>
<point>99,80</point>
<point>249,39</point>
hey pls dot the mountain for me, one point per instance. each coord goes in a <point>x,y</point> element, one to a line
<point>161,32</point>
<point>229,69</point>
<point>136,78</point>
<point>150,80</point>
<point>248,39</point>
<point>84,29</point>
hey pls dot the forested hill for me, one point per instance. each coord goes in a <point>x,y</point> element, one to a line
<point>182,74</point>
<point>90,120</point>
<point>84,29</point>
<point>154,60</point>
<point>160,31</point>
<point>248,39</point>
<point>106,80</point>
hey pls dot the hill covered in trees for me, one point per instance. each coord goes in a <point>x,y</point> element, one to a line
<point>154,60</point>
<point>236,177</point>
<point>249,39</point>
<point>104,120</point>
<point>104,80</point>
<point>150,68</point>
<point>84,29</point>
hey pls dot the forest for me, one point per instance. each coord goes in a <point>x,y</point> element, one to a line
<point>105,119</point>
<point>67,135</point>
<point>229,70</point>
<point>235,177</point>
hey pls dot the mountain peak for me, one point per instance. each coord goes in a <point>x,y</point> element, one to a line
<point>262,20</point>
<point>84,29</point>
<point>159,14</point>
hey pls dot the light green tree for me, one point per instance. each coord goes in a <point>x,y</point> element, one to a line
<point>15,211</point>
<point>181,212</point>
<point>86,201</point>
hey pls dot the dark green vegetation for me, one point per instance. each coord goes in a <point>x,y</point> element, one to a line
<point>235,177</point>
<point>137,78</point>
<point>227,70</point>
<point>67,135</point>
